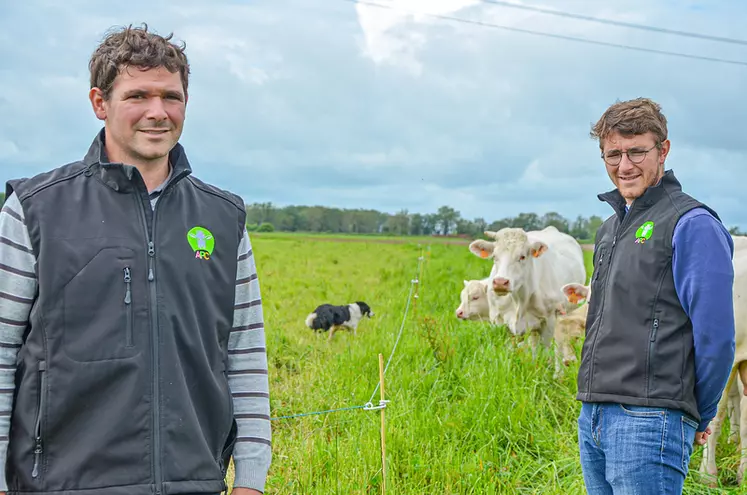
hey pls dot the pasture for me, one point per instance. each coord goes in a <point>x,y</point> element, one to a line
<point>470,412</point>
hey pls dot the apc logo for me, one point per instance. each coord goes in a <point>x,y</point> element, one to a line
<point>644,232</point>
<point>202,242</point>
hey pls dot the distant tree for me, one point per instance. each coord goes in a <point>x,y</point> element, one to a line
<point>464,226</point>
<point>500,224</point>
<point>417,224</point>
<point>735,231</point>
<point>398,224</point>
<point>580,228</point>
<point>2,198</point>
<point>527,221</point>
<point>266,227</point>
<point>480,226</point>
<point>594,223</point>
<point>430,225</point>
<point>556,220</point>
<point>447,219</point>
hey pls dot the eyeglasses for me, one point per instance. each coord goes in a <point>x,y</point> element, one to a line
<point>635,155</point>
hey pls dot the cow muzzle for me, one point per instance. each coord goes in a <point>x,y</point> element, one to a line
<point>501,285</point>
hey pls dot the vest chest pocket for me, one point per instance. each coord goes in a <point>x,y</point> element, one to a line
<point>100,304</point>
<point>601,262</point>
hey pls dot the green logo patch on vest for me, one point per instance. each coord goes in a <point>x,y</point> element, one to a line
<point>644,232</point>
<point>202,242</point>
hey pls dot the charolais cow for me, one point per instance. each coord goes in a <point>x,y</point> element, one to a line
<point>738,374</point>
<point>530,267</point>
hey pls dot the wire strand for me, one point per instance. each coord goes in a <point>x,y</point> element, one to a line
<point>611,22</point>
<point>402,326</point>
<point>551,35</point>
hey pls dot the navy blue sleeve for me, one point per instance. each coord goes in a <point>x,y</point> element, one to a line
<point>704,280</point>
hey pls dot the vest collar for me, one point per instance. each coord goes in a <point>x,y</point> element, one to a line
<point>650,196</point>
<point>124,178</point>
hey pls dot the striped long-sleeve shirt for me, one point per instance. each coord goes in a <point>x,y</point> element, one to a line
<point>246,345</point>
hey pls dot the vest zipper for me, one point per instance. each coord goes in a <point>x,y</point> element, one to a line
<point>150,238</point>
<point>654,330</point>
<point>38,427</point>
<point>128,303</point>
<point>620,228</point>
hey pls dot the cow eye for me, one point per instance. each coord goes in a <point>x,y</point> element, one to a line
<point>475,298</point>
<point>522,257</point>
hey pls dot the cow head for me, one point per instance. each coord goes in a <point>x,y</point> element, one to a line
<point>474,301</point>
<point>513,255</point>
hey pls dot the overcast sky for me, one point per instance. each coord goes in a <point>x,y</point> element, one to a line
<point>325,102</point>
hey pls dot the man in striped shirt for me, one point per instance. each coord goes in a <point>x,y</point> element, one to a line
<point>132,345</point>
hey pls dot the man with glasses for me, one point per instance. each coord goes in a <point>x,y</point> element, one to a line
<point>659,339</point>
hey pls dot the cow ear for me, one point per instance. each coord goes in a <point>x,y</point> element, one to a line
<point>490,234</point>
<point>538,248</point>
<point>465,283</point>
<point>481,248</point>
<point>575,293</point>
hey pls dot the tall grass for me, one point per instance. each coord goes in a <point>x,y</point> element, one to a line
<point>470,411</point>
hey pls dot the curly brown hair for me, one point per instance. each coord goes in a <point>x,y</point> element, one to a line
<point>139,48</point>
<point>630,118</point>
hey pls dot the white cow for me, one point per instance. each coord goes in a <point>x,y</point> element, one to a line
<point>529,267</point>
<point>738,374</point>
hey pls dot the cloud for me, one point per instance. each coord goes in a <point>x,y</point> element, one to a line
<point>311,102</point>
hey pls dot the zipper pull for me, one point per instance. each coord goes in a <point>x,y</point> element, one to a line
<point>151,249</point>
<point>127,280</point>
<point>37,456</point>
<point>656,327</point>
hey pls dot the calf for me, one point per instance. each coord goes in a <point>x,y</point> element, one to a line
<point>480,303</point>
<point>474,301</point>
<point>571,324</point>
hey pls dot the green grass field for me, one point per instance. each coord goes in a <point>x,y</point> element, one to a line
<point>470,413</point>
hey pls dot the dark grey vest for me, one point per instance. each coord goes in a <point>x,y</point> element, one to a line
<point>639,344</point>
<point>121,384</point>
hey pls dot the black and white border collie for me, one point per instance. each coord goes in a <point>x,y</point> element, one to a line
<point>330,317</point>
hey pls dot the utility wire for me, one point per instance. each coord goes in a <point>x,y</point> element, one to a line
<point>549,35</point>
<point>613,22</point>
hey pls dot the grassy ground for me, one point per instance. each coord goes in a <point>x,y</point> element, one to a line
<point>470,413</point>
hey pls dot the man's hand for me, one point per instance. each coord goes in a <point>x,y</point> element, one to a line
<point>701,437</point>
<point>235,491</point>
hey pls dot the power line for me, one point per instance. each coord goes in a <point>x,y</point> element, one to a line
<point>614,23</point>
<point>549,35</point>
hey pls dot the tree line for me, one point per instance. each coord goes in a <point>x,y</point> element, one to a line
<point>446,221</point>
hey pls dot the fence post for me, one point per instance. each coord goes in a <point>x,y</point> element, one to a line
<point>383,426</point>
<point>418,276</point>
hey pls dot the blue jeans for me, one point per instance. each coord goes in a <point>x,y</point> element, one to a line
<point>634,450</point>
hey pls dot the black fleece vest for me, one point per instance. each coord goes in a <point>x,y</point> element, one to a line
<point>639,343</point>
<point>121,385</point>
